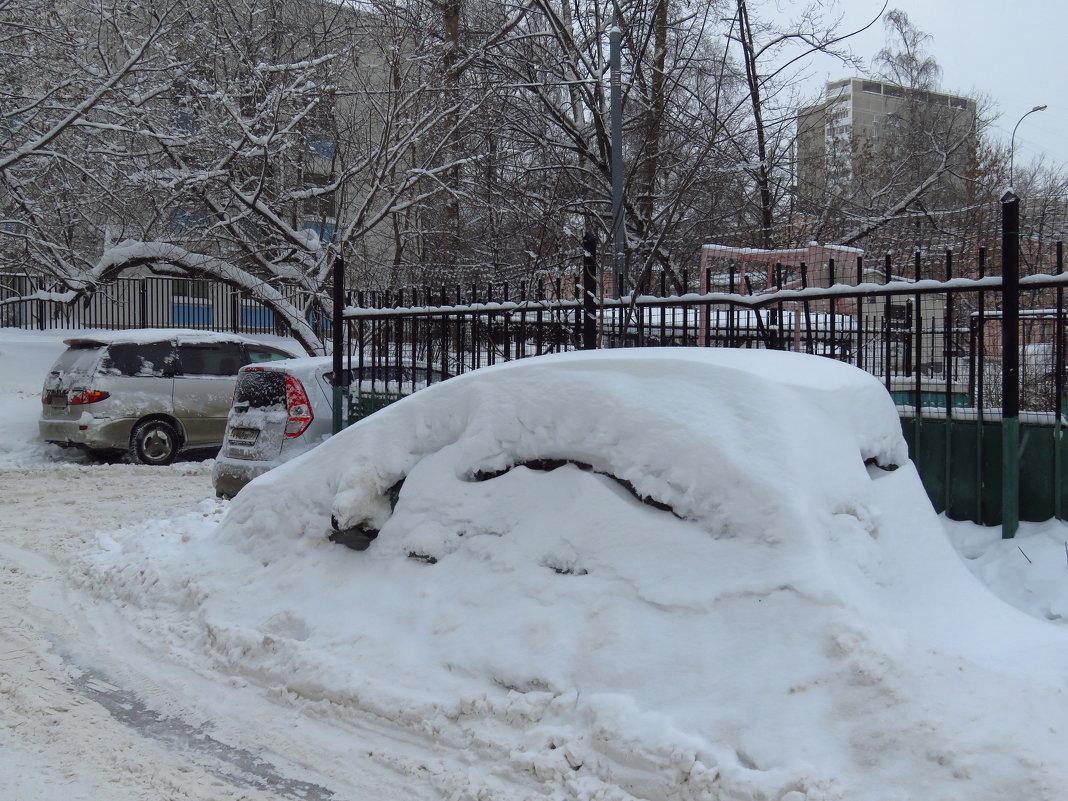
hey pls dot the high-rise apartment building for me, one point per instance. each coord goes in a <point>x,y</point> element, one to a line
<point>866,135</point>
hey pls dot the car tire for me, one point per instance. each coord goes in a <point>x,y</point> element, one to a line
<point>153,442</point>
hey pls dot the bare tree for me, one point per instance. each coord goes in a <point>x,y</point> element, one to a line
<point>280,133</point>
<point>904,61</point>
<point>917,161</point>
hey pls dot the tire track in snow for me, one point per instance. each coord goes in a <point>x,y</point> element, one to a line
<point>67,731</point>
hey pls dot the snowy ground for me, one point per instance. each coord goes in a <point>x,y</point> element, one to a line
<point>135,664</point>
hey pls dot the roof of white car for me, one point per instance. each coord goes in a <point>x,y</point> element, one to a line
<point>300,364</point>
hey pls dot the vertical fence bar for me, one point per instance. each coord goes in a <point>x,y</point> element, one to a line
<point>831,306</point>
<point>444,332</point>
<point>476,347</point>
<point>521,337</point>
<point>810,346</point>
<point>461,359</point>
<point>663,310</point>
<point>685,311</point>
<point>708,309</point>
<point>947,350</point>
<point>338,298</point>
<point>887,267</point>
<point>858,320</point>
<point>539,316</point>
<point>1010,364</point>
<point>507,346</point>
<point>1058,389</point>
<point>980,388</point>
<point>918,359</point>
<point>589,291</point>
<point>731,309</point>
<point>491,329</point>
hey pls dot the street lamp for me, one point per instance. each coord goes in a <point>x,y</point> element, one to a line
<point>1012,141</point>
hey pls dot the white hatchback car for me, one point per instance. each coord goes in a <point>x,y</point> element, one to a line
<point>282,409</point>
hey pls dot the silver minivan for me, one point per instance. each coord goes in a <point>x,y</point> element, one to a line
<point>151,393</point>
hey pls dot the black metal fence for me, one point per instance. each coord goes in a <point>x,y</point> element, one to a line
<point>936,344</point>
<point>148,302</point>
<point>932,329</point>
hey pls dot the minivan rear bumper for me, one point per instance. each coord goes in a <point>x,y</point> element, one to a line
<point>88,432</point>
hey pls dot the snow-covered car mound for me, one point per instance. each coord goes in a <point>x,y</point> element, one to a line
<point>658,574</point>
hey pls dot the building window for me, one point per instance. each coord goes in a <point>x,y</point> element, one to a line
<point>324,230</point>
<point>318,205</point>
<point>186,220</point>
<point>190,289</point>
<point>321,146</point>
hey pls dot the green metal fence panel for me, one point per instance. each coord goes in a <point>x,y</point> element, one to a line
<point>960,464</point>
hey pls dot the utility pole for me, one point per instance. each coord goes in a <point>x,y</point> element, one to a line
<point>1010,364</point>
<point>615,103</point>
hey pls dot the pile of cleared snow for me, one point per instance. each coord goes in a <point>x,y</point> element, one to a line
<point>1029,571</point>
<point>794,625</point>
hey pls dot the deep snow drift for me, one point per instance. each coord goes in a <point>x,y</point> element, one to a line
<point>793,625</point>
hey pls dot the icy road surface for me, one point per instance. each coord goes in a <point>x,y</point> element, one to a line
<point>86,719</point>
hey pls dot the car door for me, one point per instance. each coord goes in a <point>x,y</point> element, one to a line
<point>203,389</point>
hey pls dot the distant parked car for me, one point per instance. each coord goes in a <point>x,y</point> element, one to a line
<point>285,408</point>
<point>152,393</point>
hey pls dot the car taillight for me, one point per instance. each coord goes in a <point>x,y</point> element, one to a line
<point>298,406</point>
<point>88,396</point>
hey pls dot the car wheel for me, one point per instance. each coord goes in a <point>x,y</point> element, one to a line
<point>153,442</point>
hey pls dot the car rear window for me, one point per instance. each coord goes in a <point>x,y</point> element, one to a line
<point>261,388</point>
<point>257,354</point>
<point>81,359</point>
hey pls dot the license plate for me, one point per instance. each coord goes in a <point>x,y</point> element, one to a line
<point>58,401</point>
<point>244,435</point>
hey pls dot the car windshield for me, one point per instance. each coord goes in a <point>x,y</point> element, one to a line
<point>259,389</point>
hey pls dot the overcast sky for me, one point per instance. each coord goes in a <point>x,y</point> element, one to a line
<point>1013,52</point>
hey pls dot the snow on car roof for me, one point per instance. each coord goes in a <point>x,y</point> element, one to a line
<point>297,363</point>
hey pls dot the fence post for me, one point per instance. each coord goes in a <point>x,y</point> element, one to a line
<point>589,291</point>
<point>1010,364</point>
<point>1058,389</point>
<point>338,339</point>
<point>235,311</point>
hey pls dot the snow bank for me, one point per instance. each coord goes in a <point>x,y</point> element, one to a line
<point>1029,571</point>
<point>786,622</point>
